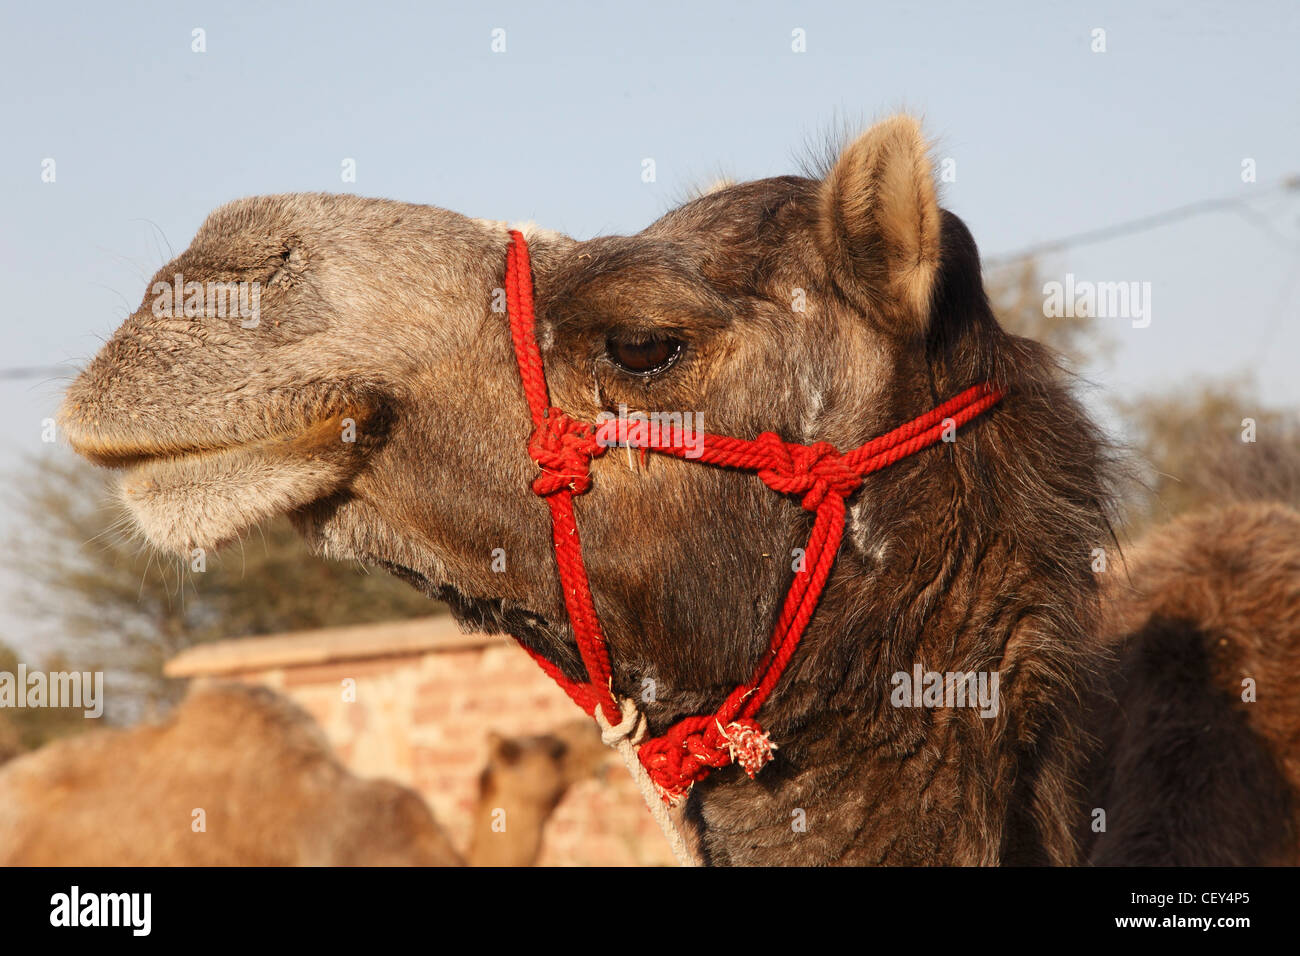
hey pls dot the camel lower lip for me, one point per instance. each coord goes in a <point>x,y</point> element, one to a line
<point>207,499</point>
<point>143,473</point>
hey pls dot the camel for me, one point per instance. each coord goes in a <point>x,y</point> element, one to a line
<point>378,402</point>
<point>236,776</point>
<point>1206,614</point>
<point>271,791</point>
<point>524,780</point>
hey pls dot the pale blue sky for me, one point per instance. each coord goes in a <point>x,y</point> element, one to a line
<point>1049,139</point>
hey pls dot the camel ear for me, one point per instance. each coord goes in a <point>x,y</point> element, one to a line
<point>879,223</point>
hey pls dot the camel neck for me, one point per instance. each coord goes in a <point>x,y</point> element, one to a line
<point>878,761</point>
<point>507,836</point>
<point>898,803</point>
<point>924,749</point>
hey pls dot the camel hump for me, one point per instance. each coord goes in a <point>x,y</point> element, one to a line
<point>234,775</point>
<point>1205,621</point>
<point>1234,574</point>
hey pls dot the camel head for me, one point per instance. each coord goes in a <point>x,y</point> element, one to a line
<point>322,356</point>
<point>827,308</point>
<point>522,783</point>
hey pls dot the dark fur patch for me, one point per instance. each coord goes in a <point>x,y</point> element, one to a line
<point>1183,779</point>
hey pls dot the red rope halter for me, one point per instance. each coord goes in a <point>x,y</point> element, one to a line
<point>563,448</point>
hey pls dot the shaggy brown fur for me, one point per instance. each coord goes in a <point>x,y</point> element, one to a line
<point>1192,771</point>
<point>812,307</point>
<point>257,765</point>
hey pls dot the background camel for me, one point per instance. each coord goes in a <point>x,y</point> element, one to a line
<point>272,794</point>
<point>237,776</point>
<point>1205,621</point>
<point>521,785</point>
<point>10,745</point>
<point>826,309</point>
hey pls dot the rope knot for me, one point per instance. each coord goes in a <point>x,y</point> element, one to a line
<point>563,448</point>
<point>631,725</point>
<point>691,749</point>
<point>813,471</point>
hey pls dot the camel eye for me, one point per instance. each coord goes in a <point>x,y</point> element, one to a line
<point>643,356</point>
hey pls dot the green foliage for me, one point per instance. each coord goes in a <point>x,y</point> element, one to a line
<point>1184,446</point>
<point>1190,441</point>
<point>1016,293</point>
<point>27,728</point>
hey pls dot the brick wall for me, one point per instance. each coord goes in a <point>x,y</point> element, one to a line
<point>426,697</point>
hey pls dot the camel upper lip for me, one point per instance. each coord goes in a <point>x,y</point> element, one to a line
<point>120,455</point>
<point>120,427</point>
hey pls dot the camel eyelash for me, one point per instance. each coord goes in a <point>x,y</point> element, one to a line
<point>644,354</point>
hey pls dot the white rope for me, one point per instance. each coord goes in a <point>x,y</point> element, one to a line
<point>624,737</point>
